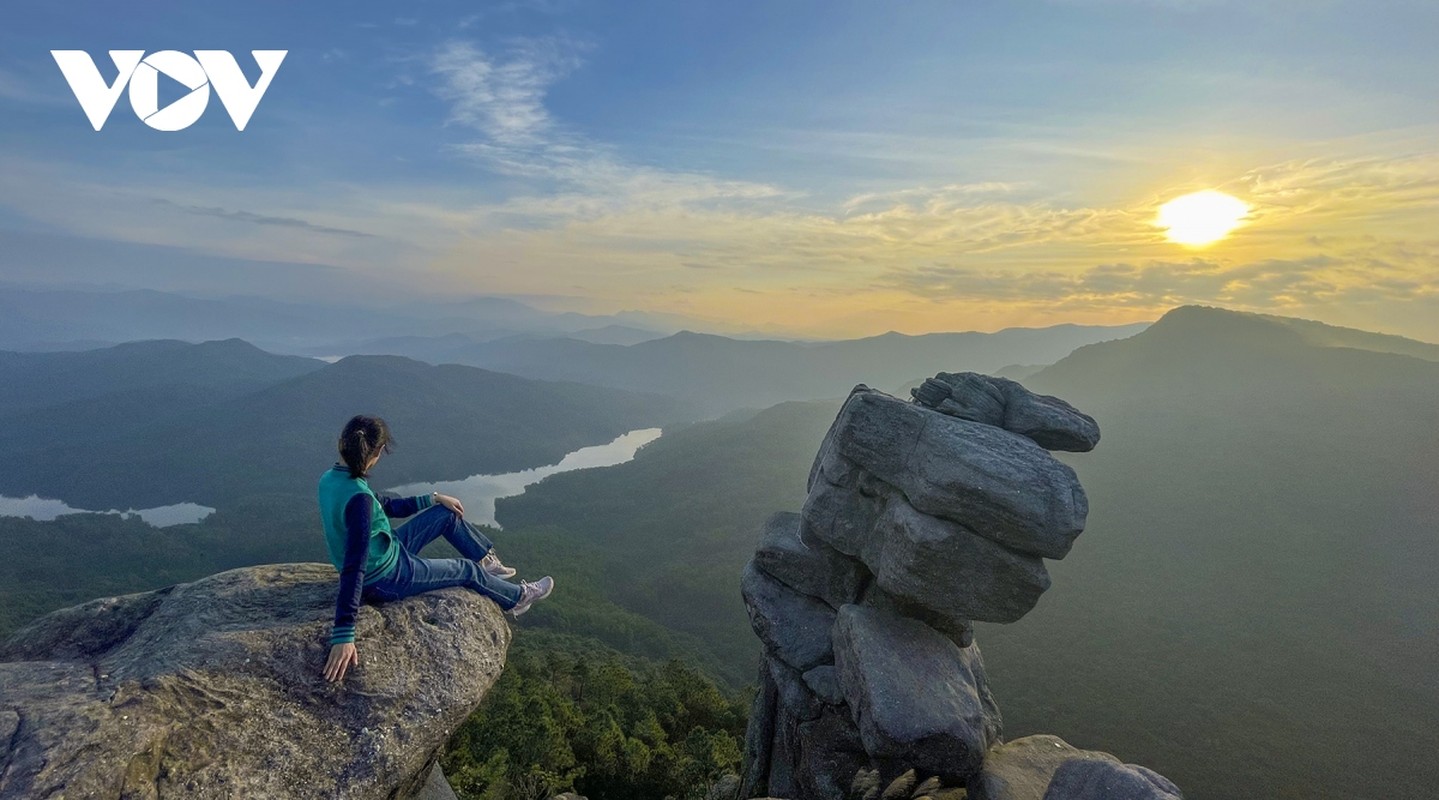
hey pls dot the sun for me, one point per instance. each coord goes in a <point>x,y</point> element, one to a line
<point>1201,218</point>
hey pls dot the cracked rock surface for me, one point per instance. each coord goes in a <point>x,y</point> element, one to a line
<point>214,689</point>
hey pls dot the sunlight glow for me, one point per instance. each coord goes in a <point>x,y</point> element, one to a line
<point>1201,218</point>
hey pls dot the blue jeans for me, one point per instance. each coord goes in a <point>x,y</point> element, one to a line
<point>413,575</point>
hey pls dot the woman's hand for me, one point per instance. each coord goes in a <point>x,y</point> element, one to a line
<point>452,503</point>
<point>342,657</point>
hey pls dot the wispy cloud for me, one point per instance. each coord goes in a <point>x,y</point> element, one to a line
<point>502,98</point>
<point>1272,283</point>
<point>261,219</point>
<point>492,10</point>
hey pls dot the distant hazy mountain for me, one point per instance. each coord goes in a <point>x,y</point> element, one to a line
<point>161,423</point>
<point>457,347</point>
<point>57,319</point>
<point>32,380</point>
<point>716,374</point>
<point>1322,335</point>
<point>1251,611</point>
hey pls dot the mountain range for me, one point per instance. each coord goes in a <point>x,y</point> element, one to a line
<point>1250,610</point>
<point>716,374</point>
<point>35,318</point>
<point>157,423</point>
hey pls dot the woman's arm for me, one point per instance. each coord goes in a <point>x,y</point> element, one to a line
<point>405,506</point>
<point>343,654</point>
<point>352,574</point>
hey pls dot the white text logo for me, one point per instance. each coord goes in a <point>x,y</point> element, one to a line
<point>206,69</point>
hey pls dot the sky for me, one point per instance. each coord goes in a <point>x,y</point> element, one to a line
<point>803,167</point>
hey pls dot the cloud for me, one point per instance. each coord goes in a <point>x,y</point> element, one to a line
<point>1269,284</point>
<point>1319,188</point>
<point>29,89</point>
<point>549,7</point>
<point>504,99</point>
<point>261,219</point>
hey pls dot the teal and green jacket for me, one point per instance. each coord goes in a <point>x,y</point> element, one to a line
<point>358,536</point>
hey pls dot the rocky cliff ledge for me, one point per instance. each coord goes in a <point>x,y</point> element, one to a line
<point>213,689</point>
<point>921,518</point>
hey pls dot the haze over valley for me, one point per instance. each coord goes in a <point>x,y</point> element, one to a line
<point>1260,533</point>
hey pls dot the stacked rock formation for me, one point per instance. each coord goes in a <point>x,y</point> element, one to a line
<point>921,518</point>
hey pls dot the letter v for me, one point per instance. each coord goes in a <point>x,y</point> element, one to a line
<point>236,94</point>
<point>97,99</point>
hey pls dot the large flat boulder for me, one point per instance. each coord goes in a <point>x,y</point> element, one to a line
<point>213,689</point>
<point>917,698</point>
<point>794,628</point>
<point>1023,768</point>
<point>1001,485</point>
<point>951,570</point>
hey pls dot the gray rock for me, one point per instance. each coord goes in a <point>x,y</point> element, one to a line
<point>1022,769</point>
<point>784,762</point>
<point>793,692</point>
<point>794,628</point>
<point>1001,485</point>
<point>1052,423</point>
<point>954,627</point>
<point>826,445</point>
<point>831,752</point>
<point>824,682</point>
<point>915,696</point>
<point>967,395</point>
<point>436,787</point>
<point>806,563</point>
<point>759,735</point>
<point>844,506</point>
<point>213,689</point>
<point>726,787</point>
<point>952,571</point>
<point>1087,779</point>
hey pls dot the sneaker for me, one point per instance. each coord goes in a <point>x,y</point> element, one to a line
<point>492,565</point>
<point>531,593</point>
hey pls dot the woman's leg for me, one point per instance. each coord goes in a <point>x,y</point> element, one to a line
<point>437,521</point>
<point>413,575</point>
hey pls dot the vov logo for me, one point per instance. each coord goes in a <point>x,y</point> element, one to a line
<point>206,69</point>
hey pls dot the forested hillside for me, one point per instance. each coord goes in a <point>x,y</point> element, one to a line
<point>1261,532</point>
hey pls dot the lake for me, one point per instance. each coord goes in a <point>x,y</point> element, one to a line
<point>45,509</point>
<point>479,492</point>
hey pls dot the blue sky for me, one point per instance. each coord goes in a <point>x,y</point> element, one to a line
<point>825,168</point>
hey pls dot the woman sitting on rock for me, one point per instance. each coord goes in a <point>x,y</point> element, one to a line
<point>381,564</point>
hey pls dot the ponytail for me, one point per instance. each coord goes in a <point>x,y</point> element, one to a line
<point>362,439</point>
